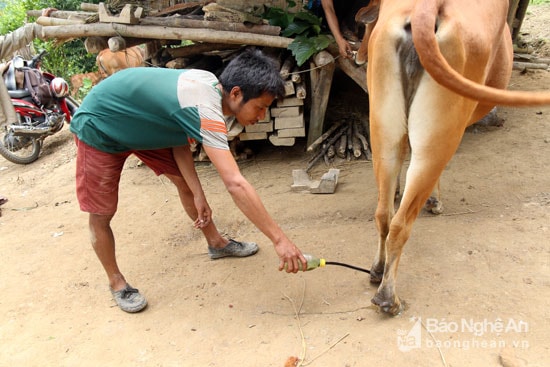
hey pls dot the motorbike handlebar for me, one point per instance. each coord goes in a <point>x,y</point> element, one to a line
<point>36,59</point>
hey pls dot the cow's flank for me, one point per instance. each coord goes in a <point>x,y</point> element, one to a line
<point>109,62</point>
<point>466,47</point>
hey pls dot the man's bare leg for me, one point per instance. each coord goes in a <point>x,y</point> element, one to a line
<point>103,242</point>
<point>213,237</point>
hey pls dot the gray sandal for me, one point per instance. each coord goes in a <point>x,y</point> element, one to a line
<point>129,299</point>
<point>234,249</point>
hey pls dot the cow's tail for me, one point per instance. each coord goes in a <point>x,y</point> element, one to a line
<point>423,23</point>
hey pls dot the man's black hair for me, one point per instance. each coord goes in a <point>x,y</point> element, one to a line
<point>255,73</point>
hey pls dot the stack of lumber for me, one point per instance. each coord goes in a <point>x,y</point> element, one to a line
<point>284,120</point>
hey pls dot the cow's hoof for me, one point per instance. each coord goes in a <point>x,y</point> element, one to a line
<point>376,276</point>
<point>434,206</point>
<point>391,306</point>
<point>376,272</point>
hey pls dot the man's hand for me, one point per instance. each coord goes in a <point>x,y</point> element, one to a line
<point>345,49</point>
<point>204,212</point>
<point>290,256</point>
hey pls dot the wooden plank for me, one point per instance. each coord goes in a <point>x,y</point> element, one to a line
<point>321,81</point>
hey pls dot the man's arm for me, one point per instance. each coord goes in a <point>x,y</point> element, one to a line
<point>330,14</point>
<point>186,165</point>
<point>248,201</point>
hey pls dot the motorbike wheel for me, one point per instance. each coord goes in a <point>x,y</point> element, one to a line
<point>18,149</point>
<point>72,104</point>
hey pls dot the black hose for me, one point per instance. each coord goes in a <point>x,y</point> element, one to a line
<point>347,266</point>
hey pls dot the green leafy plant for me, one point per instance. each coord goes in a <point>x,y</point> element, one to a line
<point>86,87</point>
<point>304,26</point>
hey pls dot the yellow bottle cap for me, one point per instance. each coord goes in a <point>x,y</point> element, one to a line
<point>322,263</point>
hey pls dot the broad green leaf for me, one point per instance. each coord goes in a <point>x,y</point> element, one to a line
<point>304,47</point>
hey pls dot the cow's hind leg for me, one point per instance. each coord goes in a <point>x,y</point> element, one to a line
<point>390,148</point>
<point>433,204</point>
<point>387,170</point>
<point>435,128</point>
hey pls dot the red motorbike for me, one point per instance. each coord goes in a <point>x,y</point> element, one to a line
<point>21,141</point>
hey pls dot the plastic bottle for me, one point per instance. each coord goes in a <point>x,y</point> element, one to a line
<point>312,262</point>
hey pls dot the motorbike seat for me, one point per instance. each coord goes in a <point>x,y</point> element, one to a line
<point>19,93</point>
<point>9,78</point>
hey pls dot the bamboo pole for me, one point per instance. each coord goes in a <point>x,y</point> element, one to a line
<point>157,32</point>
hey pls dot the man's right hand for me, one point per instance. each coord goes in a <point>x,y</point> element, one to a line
<point>289,256</point>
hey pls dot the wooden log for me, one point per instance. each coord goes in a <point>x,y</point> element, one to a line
<point>116,43</point>
<point>327,160</point>
<point>295,75</point>
<point>60,14</point>
<point>531,58</point>
<point>153,32</point>
<point>47,21</point>
<point>287,66</point>
<point>198,48</point>
<point>323,137</point>
<point>89,7</point>
<point>221,26</point>
<point>349,134</point>
<point>342,145</point>
<point>301,91</point>
<point>94,44</point>
<point>289,88</point>
<point>331,151</point>
<point>357,151</point>
<point>529,65</point>
<point>363,140</point>
<point>321,80</point>
<point>356,143</point>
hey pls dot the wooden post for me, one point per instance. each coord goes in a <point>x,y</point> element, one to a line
<point>357,73</point>
<point>321,81</point>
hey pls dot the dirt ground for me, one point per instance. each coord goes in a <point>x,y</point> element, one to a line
<point>476,278</point>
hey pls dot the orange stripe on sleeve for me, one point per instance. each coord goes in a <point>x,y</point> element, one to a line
<point>214,126</point>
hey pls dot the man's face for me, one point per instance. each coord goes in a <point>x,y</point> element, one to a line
<point>253,110</point>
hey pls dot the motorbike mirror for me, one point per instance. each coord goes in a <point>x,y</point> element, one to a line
<point>18,62</point>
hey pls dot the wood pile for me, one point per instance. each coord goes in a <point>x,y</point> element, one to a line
<point>345,140</point>
<point>213,33</point>
<point>526,61</point>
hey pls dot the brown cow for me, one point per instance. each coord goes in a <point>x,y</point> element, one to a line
<point>434,68</point>
<point>109,62</point>
<point>77,81</point>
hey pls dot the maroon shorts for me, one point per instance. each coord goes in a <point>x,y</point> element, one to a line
<point>98,174</point>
